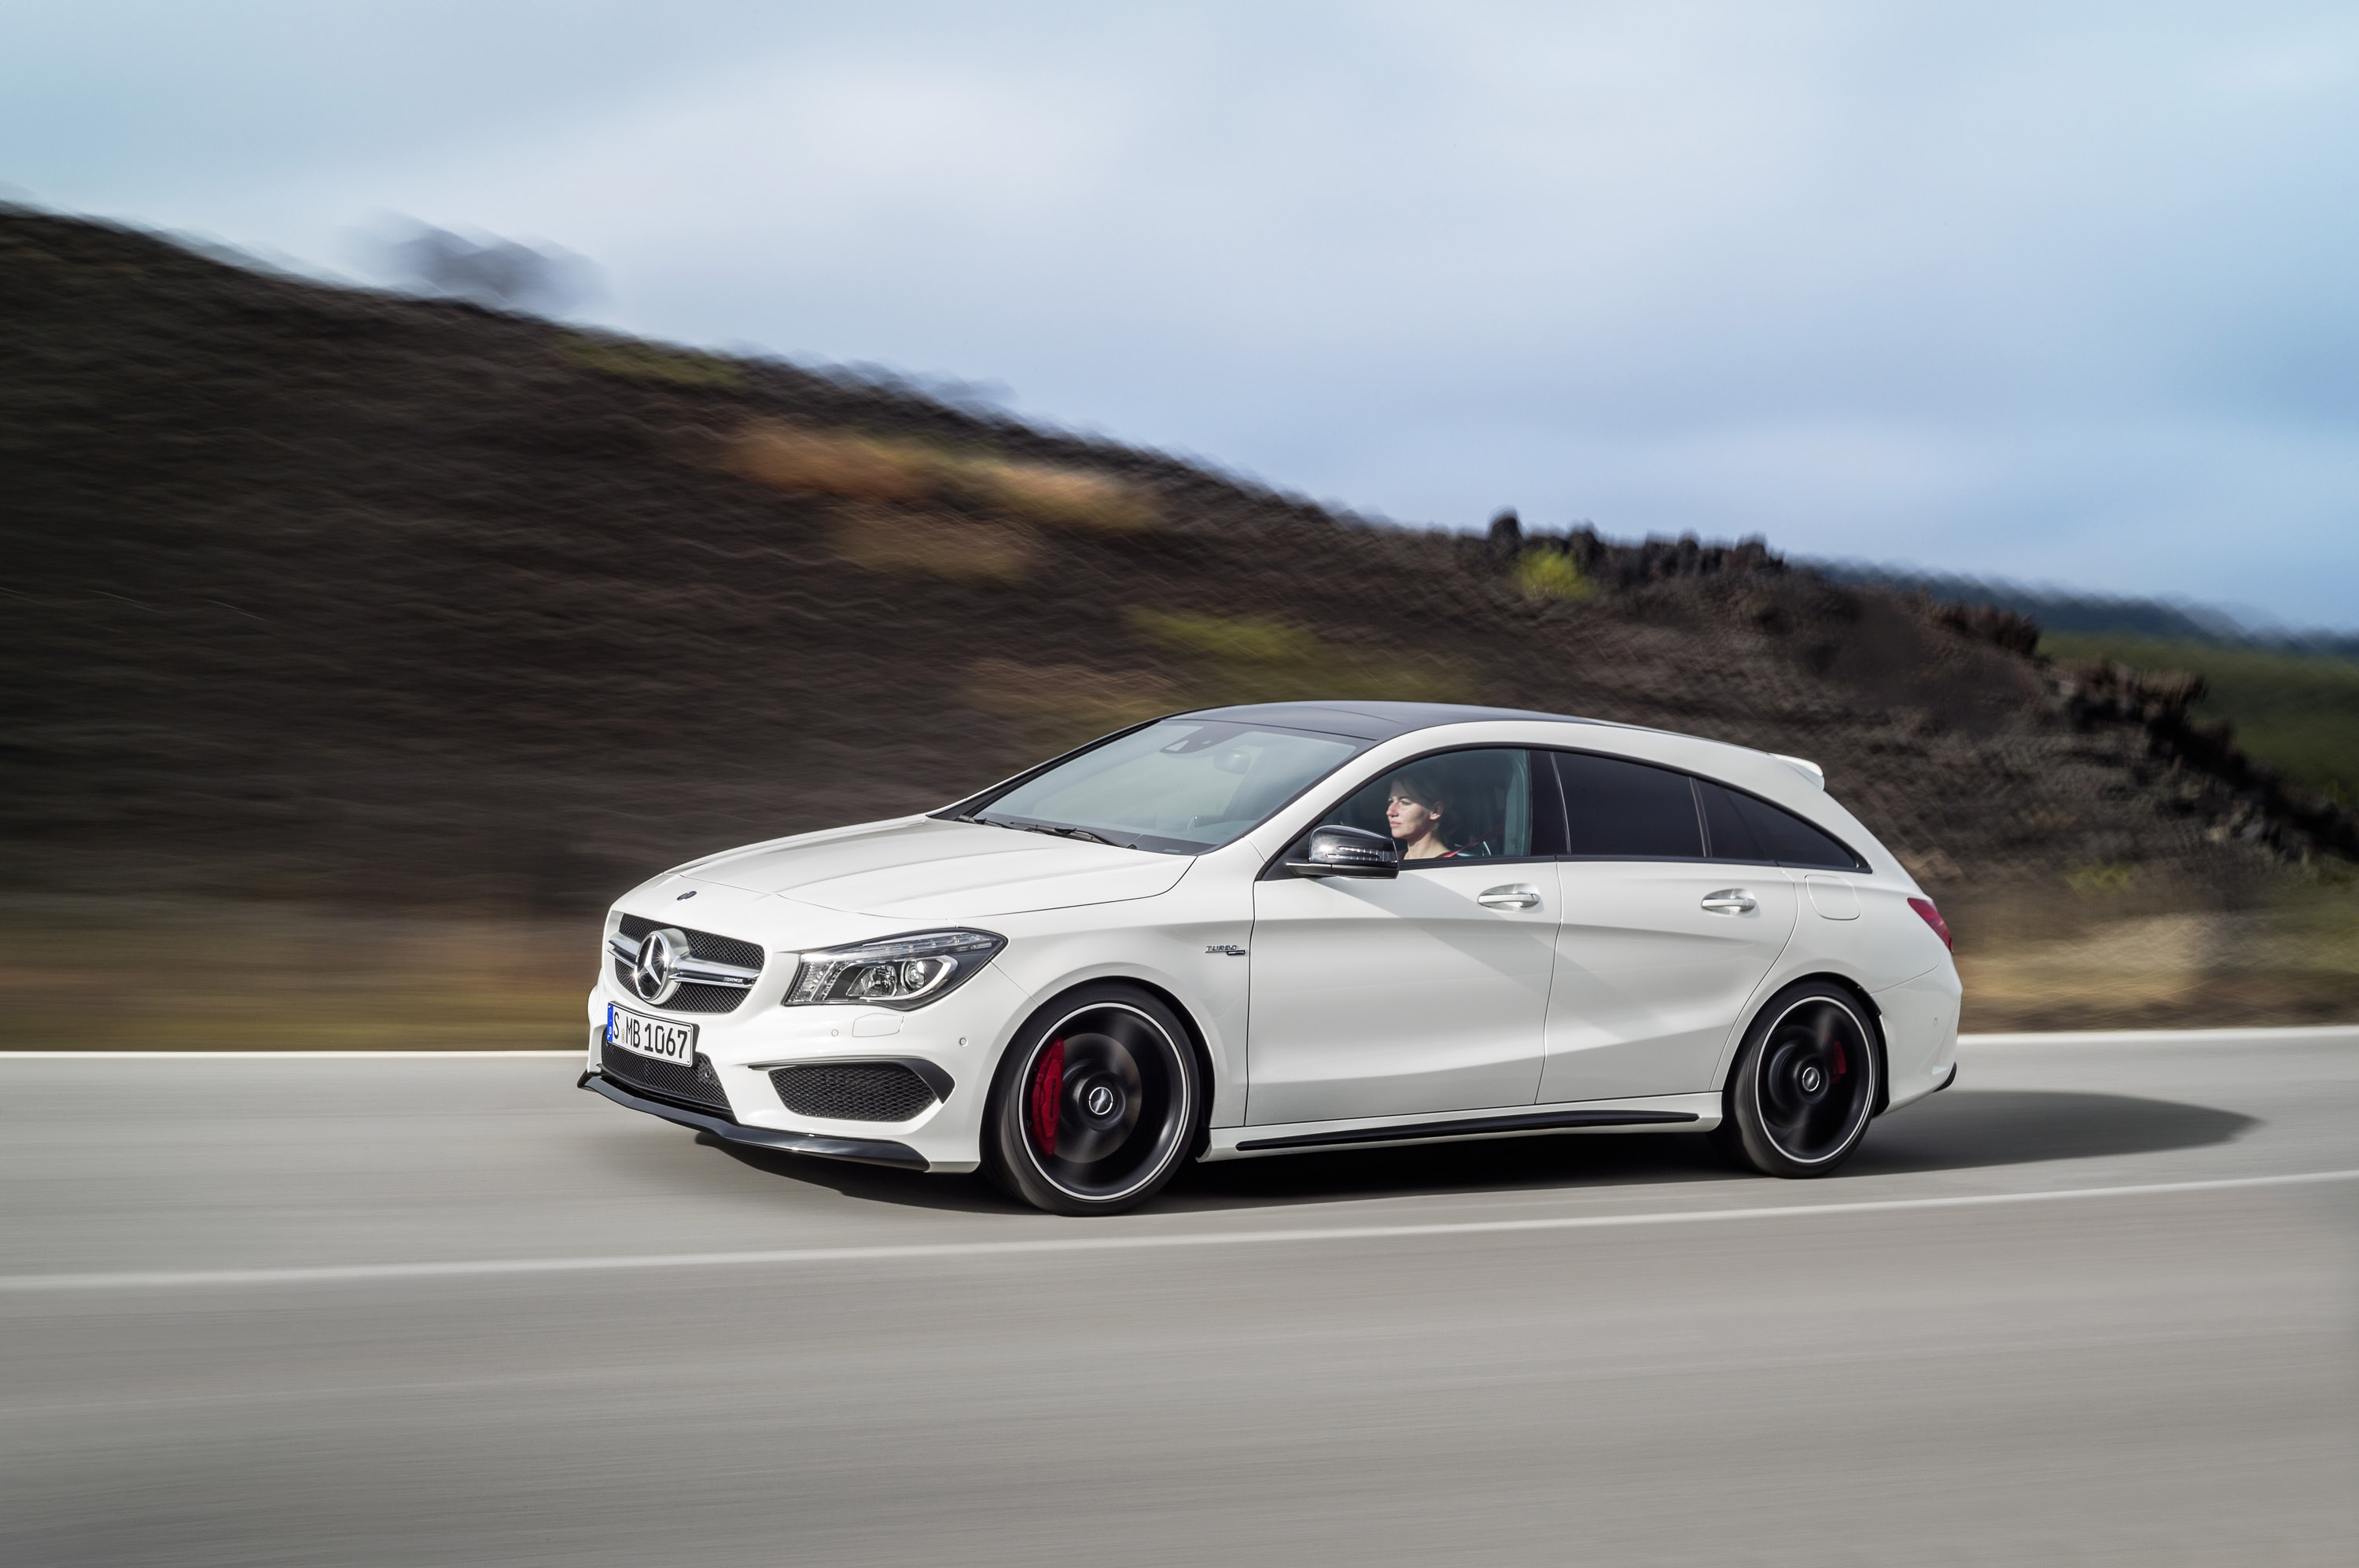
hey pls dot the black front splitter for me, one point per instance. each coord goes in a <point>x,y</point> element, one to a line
<point>867,1151</point>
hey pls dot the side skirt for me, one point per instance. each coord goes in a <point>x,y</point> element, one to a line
<point>1229,1143</point>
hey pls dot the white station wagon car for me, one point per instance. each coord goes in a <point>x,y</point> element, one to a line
<point>1254,931</point>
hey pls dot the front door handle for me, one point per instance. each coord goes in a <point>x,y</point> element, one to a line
<point>1730,902</point>
<point>1509,897</point>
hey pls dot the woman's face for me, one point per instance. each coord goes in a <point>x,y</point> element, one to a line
<point>1411,820</point>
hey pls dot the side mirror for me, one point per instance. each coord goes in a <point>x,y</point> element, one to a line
<point>1348,852</point>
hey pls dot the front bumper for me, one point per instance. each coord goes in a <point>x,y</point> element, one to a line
<point>955,1040</point>
<point>867,1151</point>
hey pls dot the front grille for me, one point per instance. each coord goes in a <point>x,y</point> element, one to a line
<point>704,945</point>
<point>691,996</point>
<point>854,1091</point>
<point>698,1087</point>
<point>687,998</point>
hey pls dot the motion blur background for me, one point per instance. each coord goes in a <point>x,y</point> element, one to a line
<point>494,492</point>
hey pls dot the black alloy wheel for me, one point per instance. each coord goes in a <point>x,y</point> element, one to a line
<point>1096,1104</point>
<point>1804,1084</point>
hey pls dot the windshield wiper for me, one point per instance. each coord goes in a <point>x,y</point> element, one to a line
<point>1060,829</point>
<point>1083,833</point>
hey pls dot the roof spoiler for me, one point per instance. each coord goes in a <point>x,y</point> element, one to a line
<point>1803,765</point>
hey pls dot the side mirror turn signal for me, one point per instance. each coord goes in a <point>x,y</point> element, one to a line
<point>1347,851</point>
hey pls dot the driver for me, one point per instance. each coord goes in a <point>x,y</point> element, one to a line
<point>1413,809</point>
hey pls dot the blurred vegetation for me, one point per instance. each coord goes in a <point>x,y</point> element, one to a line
<point>1204,660</point>
<point>1551,575</point>
<point>636,361</point>
<point>2124,956</point>
<point>853,466</point>
<point>2297,712</point>
<point>96,974</point>
<point>1238,659</point>
<point>934,542</point>
<point>2096,881</point>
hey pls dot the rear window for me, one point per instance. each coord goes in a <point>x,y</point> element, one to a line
<point>1744,827</point>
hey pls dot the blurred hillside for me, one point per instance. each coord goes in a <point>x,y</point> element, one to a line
<point>2060,611</point>
<point>324,599</point>
<point>2296,710</point>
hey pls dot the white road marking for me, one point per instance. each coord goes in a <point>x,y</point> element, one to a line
<point>362,1273</point>
<point>2260,1039</point>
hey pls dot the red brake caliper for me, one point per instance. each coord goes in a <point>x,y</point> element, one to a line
<point>1048,1096</point>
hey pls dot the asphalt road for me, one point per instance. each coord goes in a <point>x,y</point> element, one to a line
<point>436,1310</point>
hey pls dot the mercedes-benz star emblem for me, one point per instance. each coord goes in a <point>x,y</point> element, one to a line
<point>655,974</point>
<point>1100,1101</point>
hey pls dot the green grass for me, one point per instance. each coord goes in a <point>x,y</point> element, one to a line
<point>2298,712</point>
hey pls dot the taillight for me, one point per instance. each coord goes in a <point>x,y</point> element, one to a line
<point>1933,918</point>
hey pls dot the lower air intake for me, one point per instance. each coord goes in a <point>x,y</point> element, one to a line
<point>854,1091</point>
<point>698,1088</point>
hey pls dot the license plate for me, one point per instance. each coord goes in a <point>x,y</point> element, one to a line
<point>651,1037</point>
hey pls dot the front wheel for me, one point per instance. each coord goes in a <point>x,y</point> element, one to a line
<point>1095,1104</point>
<point>1804,1084</point>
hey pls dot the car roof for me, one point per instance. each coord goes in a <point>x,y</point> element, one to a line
<point>1377,721</point>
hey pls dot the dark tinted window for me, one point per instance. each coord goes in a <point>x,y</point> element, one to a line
<point>1484,804</point>
<point>1627,809</point>
<point>1743,828</point>
<point>1731,839</point>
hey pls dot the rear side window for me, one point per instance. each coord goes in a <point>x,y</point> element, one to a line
<point>1731,839</point>
<point>1627,810</point>
<point>1744,828</point>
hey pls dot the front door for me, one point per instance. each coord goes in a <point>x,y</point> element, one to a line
<point>1425,993</point>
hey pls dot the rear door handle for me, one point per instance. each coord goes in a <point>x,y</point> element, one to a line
<point>1730,902</point>
<point>1509,897</point>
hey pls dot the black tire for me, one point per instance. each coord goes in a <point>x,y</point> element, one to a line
<point>1804,1085</point>
<point>1096,1103</point>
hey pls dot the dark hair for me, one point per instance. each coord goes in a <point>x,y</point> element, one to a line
<point>1420,788</point>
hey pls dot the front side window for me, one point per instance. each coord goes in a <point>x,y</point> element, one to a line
<point>1616,809</point>
<point>1178,787</point>
<point>1458,805</point>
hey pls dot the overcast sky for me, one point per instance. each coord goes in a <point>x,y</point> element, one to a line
<point>2060,293</point>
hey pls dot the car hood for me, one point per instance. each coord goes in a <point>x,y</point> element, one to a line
<point>927,868</point>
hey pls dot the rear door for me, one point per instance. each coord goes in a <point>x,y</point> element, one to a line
<point>1658,946</point>
<point>1425,993</point>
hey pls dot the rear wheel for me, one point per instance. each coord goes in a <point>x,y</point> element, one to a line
<point>1095,1104</point>
<point>1804,1084</point>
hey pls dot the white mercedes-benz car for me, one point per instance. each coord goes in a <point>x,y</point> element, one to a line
<point>1298,926</point>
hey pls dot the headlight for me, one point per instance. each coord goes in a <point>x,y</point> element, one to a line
<point>899,971</point>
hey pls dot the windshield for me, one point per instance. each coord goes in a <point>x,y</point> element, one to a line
<point>1179,786</point>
